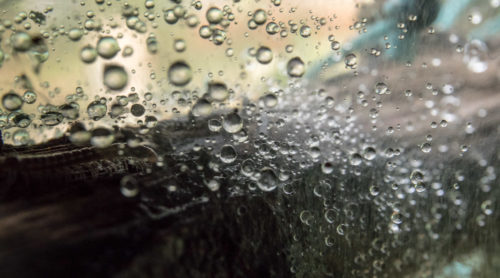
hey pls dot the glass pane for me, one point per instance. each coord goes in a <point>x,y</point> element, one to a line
<point>267,138</point>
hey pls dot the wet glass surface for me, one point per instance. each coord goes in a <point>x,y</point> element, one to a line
<point>271,138</point>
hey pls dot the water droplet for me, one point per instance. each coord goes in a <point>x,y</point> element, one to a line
<point>268,181</point>
<point>101,137</point>
<point>272,28</point>
<point>115,77</point>
<point>218,91</point>
<point>232,123</point>
<point>22,120</point>
<point>96,110</point>
<point>152,44</point>
<point>21,137</point>
<point>205,32</point>
<point>426,147</point>
<point>420,187</point>
<point>170,17</point>
<point>369,153</point>
<point>214,125</point>
<point>88,54</point>
<point>137,110</point>
<point>127,51</point>
<point>107,47</point>
<point>260,16</point>
<point>335,45</point>
<point>21,41</point>
<point>247,167</point>
<point>129,186</point>
<point>52,118</point>
<point>356,159</point>
<point>149,4</point>
<point>213,185</point>
<point>270,100</point>
<point>151,121</point>
<point>75,34</point>
<point>29,97</point>
<point>228,154</point>
<point>476,56</point>
<point>374,190</point>
<point>381,88</point>
<point>202,108</point>
<point>416,176</point>
<point>180,45</point>
<point>79,136</point>
<point>327,167</point>
<point>306,217</point>
<point>397,218</point>
<point>329,241</point>
<point>179,74</point>
<point>305,31</point>
<point>264,55</point>
<point>487,207</point>
<point>351,61</point>
<point>12,101</point>
<point>295,67</point>
<point>214,15</point>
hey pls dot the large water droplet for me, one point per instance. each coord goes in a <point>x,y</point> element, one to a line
<point>228,154</point>
<point>88,54</point>
<point>264,55</point>
<point>202,108</point>
<point>214,15</point>
<point>179,73</point>
<point>102,137</point>
<point>107,47</point>
<point>137,110</point>
<point>96,110</point>
<point>12,101</point>
<point>260,16</point>
<point>115,77</point>
<point>268,181</point>
<point>351,61</point>
<point>232,123</point>
<point>21,41</point>
<point>295,67</point>
<point>218,91</point>
<point>29,97</point>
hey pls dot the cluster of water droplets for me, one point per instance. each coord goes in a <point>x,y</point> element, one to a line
<point>333,162</point>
